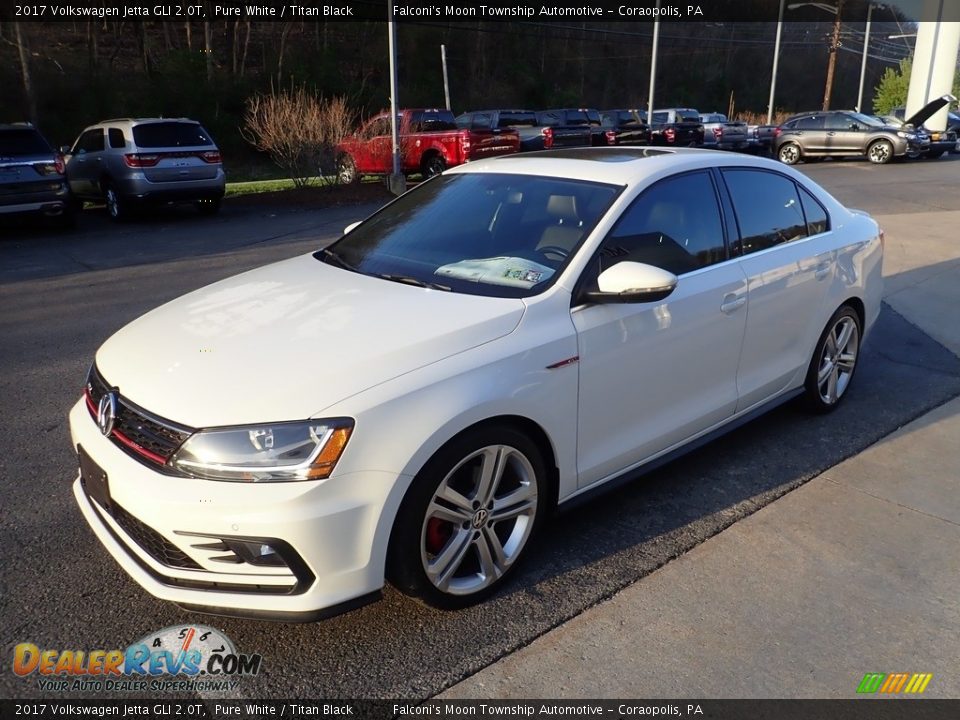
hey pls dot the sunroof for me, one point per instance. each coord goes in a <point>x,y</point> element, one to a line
<point>620,154</point>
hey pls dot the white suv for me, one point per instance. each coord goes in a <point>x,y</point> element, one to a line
<point>157,160</point>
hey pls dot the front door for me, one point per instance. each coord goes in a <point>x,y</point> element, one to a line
<point>655,374</point>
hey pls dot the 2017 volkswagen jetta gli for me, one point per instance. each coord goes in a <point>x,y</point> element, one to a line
<point>409,402</point>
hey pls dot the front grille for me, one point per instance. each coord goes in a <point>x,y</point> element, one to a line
<point>139,433</point>
<point>153,543</point>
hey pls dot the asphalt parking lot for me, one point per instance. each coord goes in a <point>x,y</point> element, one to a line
<point>63,294</point>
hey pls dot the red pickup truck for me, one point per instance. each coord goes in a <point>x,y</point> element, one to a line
<point>430,142</point>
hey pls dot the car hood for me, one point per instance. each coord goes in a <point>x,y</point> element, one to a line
<point>929,110</point>
<point>286,341</point>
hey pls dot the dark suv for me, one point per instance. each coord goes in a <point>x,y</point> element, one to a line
<point>842,133</point>
<point>32,179</point>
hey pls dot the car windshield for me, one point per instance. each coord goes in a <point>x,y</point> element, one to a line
<point>25,141</point>
<point>488,234</point>
<point>868,120</point>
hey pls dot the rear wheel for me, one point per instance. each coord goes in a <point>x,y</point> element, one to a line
<point>468,517</point>
<point>880,152</point>
<point>433,164</point>
<point>117,207</point>
<point>834,361</point>
<point>789,154</point>
<point>347,170</point>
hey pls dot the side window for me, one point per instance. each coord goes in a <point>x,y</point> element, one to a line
<point>814,122</point>
<point>817,220</point>
<point>482,121</point>
<point>767,207</point>
<point>674,225</point>
<point>839,121</point>
<point>116,138</point>
<point>90,141</point>
<point>464,121</point>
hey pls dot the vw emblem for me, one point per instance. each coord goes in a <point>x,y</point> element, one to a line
<point>480,518</point>
<point>107,412</point>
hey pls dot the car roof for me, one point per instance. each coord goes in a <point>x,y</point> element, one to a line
<point>612,165</point>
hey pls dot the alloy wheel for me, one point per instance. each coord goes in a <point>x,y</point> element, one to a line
<point>789,154</point>
<point>838,360</point>
<point>880,152</point>
<point>479,520</point>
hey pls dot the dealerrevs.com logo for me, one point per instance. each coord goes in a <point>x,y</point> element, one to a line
<point>179,658</point>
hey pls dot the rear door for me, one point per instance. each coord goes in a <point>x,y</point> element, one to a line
<point>174,151</point>
<point>844,134</point>
<point>789,268</point>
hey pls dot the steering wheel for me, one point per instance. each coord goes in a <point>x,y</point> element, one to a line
<point>555,250</point>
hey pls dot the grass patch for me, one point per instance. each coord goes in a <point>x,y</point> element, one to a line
<point>262,186</point>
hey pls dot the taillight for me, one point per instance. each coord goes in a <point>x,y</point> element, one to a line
<point>547,137</point>
<point>60,165</point>
<point>777,132</point>
<point>140,160</point>
<point>670,134</point>
<point>611,136</point>
<point>465,144</point>
<point>211,156</point>
<point>718,132</point>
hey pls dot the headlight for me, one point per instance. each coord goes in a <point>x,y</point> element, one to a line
<point>908,136</point>
<point>275,452</point>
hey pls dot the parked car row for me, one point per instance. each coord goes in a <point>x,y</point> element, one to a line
<point>124,163</point>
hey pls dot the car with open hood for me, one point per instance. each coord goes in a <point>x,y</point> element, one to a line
<point>940,141</point>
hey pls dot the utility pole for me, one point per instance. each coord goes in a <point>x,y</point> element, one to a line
<point>653,67</point>
<point>776,60</point>
<point>832,63</point>
<point>398,183</point>
<point>446,82</point>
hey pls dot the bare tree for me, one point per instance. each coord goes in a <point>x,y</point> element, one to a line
<point>299,130</point>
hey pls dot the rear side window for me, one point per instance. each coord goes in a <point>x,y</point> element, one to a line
<point>767,207</point>
<point>464,121</point>
<point>115,135</point>
<point>817,220</point>
<point>674,225</point>
<point>482,121</point>
<point>814,122</point>
<point>170,134</point>
<point>25,141</point>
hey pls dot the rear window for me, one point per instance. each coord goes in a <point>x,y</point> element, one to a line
<point>432,121</point>
<point>688,115</point>
<point>514,119</point>
<point>170,134</point>
<point>23,142</point>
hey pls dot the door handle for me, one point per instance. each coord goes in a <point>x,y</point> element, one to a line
<point>732,302</point>
<point>822,270</point>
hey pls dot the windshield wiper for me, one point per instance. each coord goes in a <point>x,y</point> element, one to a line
<point>337,260</point>
<point>407,280</point>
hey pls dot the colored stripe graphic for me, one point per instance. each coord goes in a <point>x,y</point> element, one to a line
<point>893,683</point>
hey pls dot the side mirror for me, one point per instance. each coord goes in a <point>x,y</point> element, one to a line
<point>351,226</point>
<point>632,282</point>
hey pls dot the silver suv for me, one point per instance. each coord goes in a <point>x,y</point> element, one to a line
<point>127,162</point>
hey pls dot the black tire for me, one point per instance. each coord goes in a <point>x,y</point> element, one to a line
<point>440,560</point>
<point>933,154</point>
<point>433,164</point>
<point>789,153</point>
<point>830,361</point>
<point>208,206</point>
<point>117,207</point>
<point>880,152</point>
<point>347,170</point>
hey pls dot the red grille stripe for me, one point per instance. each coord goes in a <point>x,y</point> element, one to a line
<point>158,459</point>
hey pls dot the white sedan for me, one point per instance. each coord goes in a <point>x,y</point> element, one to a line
<point>412,401</point>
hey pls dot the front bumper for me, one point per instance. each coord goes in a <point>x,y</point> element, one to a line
<point>156,525</point>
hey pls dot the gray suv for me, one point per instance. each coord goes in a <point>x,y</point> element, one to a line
<point>31,176</point>
<point>842,133</point>
<point>128,162</point>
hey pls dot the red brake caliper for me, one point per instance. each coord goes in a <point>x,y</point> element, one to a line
<point>438,532</point>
